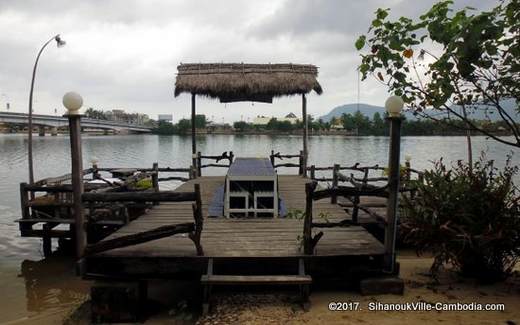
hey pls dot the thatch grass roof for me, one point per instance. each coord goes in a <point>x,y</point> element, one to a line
<point>246,82</point>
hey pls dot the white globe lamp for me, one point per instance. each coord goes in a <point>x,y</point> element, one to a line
<point>72,102</point>
<point>394,106</point>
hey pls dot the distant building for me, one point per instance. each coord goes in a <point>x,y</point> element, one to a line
<point>165,117</point>
<point>263,120</point>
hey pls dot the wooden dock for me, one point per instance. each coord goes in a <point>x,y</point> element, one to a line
<point>231,239</point>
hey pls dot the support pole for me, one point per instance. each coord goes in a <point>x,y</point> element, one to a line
<point>393,189</point>
<point>77,183</point>
<point>193,133</point>
<point>305,152</point>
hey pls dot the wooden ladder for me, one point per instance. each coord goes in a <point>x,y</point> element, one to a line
<point>301,279</point>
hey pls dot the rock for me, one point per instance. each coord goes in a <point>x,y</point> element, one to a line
<point>382,285</point>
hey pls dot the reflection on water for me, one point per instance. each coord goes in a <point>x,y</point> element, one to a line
<point>39,290</point>
<point>35,286</point>
<point>51,283</point>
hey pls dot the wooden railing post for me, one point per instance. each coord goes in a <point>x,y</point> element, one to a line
<point>335,171</point>
<point>408,175</point>
<point>24,202</point>
<point>231,157</point>
<point>199,164</point>
<point>272,158</point>
<point>155,179</point>
<point>193,172</point>
<point>95,171</point>
<point>301,169</point>
<point>199,221</point>
<point>307,223</point>
<point>313,172</point>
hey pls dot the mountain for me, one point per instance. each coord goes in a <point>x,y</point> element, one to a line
<point>365,109</point>
<point>368,110</point>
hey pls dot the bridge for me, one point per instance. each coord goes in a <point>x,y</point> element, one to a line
<point>60,121</point>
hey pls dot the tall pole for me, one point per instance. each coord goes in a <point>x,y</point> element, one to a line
<point>77,183</point>
<point>393,188</point>
<point>30,125</point>
<point>193,133</point>
<point>305,153</point>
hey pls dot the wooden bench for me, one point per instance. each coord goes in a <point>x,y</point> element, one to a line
<point>303,281</point>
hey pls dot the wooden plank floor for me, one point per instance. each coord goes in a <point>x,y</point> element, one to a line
<point>235,238</point>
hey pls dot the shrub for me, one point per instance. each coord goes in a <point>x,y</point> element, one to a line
<point>467,217</point>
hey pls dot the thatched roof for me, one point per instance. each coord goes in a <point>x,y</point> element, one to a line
<point>232,82</point>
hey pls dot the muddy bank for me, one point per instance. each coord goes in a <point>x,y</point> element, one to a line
<point>277,307</point>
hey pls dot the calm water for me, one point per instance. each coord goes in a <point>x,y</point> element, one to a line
<point>30,291</point>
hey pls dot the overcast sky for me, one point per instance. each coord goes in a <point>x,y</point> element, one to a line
<point>124,54</point>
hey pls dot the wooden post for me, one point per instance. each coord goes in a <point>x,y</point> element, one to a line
<point>335,171</point>
<point>408,176</point>
<point>193,132</point>
<point>393,193</point>
<point>305,153</point>
<point>307,223</point>
<point>313,172</point>
<point>231,157</point>
<point>77,183</point>
<point>155,178</point>
<point>95,171</point>
<point>272,158</point>
<point>199,164</point>
<point>300,162</point>
<point>24,202</point>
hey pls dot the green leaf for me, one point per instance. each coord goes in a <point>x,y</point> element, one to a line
<point>381,13</point>
<point>360,42</point>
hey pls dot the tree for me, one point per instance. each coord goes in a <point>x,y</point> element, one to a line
<point>184,126</point>
<point>241,126</point>
<point>200,121</point>
<point>379,127</point>
<point>165,128</point>
<point>474,64</point>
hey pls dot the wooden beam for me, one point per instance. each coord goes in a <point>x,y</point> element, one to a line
<point>162,196</point>
<point>139,238</point>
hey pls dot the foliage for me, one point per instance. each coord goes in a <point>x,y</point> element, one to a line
<point>468,217</point>
<point>143,184</point>
<point>165,128</point>
<point>475,60</point>
<point>242,126</point>
<point>283,126</point>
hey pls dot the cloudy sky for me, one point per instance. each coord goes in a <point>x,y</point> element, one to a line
<point>124,54</point>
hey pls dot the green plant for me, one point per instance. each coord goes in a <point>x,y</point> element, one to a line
<point>467,217</point>
<point>143,184</point>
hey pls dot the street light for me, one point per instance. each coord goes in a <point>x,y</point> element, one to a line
<point>394,106</point>
<point>59,43</point>
<point>73,102</point>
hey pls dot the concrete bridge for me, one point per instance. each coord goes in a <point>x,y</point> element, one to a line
<point>55,122</point>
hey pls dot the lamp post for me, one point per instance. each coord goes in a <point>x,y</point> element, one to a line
<point>59,43</point>
<point>394,106</point>
<point>73,102</point>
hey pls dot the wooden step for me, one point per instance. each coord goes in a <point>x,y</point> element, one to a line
<point>256,279</point>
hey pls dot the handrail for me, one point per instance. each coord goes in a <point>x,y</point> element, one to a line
<point>273,156</point>
<point>223,156</point>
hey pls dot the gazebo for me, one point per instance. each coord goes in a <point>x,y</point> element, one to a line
<point>236,82</point>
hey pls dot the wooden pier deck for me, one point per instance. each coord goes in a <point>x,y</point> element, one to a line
<point>227,239</point>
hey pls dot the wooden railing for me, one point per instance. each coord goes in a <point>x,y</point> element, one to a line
<point>311,194</point>
<point>224,156</point>
<point>280,156</point>
<point>97,200</point>
<point>362,182</point>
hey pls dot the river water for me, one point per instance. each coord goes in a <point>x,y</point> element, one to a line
<point>36,288</point>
